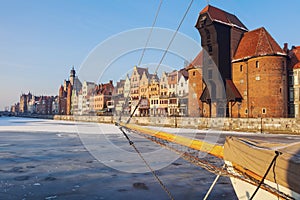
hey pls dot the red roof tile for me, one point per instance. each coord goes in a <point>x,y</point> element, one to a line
<point>257,43</point>
<point>295,57</point>
<point>222,16</point>
<point>197,62</point>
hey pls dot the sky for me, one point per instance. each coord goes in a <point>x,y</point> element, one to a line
<point>40,41</point>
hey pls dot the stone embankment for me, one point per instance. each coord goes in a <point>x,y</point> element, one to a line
<point>264,125</point>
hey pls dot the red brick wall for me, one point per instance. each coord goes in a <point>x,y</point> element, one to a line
<point>196,86</point>
<point>263,88</point>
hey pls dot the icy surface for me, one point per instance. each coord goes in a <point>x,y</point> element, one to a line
<point>45,159</point>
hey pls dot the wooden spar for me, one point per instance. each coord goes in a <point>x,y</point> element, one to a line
<point>213,149</point>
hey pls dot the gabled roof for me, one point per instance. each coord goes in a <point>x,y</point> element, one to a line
<point>232,93</point>
<point>153,78</point>
<point>257,43</point>
<point>295,57</point>
<point>197,62</point>
<point>183,72</point>
<point>223,17</point>
<point>141,70</point>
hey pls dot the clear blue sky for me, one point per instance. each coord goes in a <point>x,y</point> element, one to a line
<point>41,40</point>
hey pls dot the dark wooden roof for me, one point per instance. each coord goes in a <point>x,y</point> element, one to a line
<point>257,43</point>
<point>223,17</point>
<point>232,93</point>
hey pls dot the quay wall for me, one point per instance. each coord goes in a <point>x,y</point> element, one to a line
<point>263,125</point>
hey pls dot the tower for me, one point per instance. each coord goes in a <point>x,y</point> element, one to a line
<point>72,75</point>
<point>220,33</point>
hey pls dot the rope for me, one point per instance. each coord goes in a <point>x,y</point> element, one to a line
<point>212,185</point>
<point>262,180</point>
<point>150,33</point>
<point>174,35</point>
<point>147,164</point>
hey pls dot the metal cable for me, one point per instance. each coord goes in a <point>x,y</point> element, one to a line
<point>173,37</point>
<point>147,164</point>
<point>150,33</point>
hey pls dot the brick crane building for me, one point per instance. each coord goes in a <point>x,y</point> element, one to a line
<point>243,73</point>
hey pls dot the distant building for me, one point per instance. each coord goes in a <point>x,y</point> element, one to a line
<point>24,101</point>
<point>196,87</point>
<point>294,55</point>
<point>154,97</point>
<point>44,105</point>
<point>87,93</point>
<point>135,83</point>
<point>71,85</point>
<point>101,97</point>
<point>163,95</point>
<point>15,108</point>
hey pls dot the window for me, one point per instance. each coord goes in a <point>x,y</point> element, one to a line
<point>181,84</point>
<point>241,68</point>
<point>194,73</point>
<point>246,111</point>
<point>257,78</point>
<point>209,48</point>
<point>264,111</point>
<point>210,74</point>
<point>257,64</point>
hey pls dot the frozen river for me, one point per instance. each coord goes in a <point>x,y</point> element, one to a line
<point>46,159</point>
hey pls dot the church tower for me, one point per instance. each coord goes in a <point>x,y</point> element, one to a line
<point>72,76</point>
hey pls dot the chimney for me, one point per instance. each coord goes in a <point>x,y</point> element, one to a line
<point>111,82</point>
<point>285,48</point>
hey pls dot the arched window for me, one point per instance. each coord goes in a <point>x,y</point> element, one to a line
<point>241,68</point>
<point>257,64</point>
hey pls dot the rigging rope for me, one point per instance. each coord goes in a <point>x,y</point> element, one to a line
<point>262,180</point>
<point>147,164</point>
<point>174,35</point>
<point>150,33</point>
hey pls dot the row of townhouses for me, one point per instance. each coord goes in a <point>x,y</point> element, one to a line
<point>239,73</point>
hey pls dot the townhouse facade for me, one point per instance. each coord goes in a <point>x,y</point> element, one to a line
<point>294,81</point>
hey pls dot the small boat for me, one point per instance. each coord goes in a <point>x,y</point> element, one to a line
<point>277,165</point>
